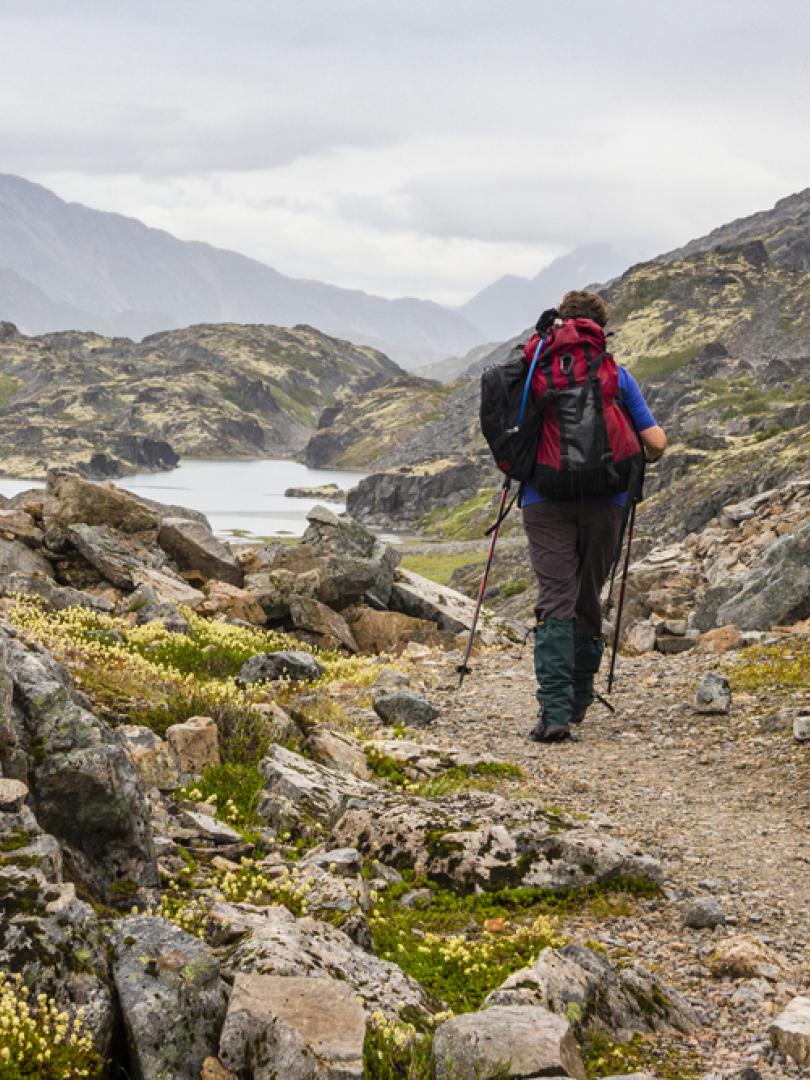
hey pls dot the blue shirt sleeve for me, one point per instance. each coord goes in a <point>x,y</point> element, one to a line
<point>634,401</point>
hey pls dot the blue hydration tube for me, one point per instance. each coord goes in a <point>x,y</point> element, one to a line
<point>528,385</point>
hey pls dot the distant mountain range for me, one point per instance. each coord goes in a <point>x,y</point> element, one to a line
<point>64,266</point>
<point>505,307</point>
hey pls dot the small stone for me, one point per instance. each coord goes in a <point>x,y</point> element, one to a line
<point>791,1031</point>
<point>209,828</point>
<point>344,862</point>
<point>743,958</point>
<point>194,744</point>
<point>13,794</point>
<point>714,694</point>
<point>151,756</point>
<point>721,639</point>
<point>298,666</point>
<point>703,913</point>
<point>403,708</point>
<point>801,728</point>
<point>641,637</point>
<point>676,627</point>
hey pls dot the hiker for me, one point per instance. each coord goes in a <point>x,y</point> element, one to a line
<point>596,433</point>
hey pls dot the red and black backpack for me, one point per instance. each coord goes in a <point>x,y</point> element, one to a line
<point>588,445</point>
<point>566,432</point>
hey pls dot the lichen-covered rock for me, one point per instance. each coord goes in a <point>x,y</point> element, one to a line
<point>284,945</point>
<point>339,751</point>
<point>172,999</point>
<point>85,788</point>
<point>57,597</point>
<point>520,1042</point>
<point>298,1028</point>
<point>17,558</point>
<point>596,994</point>
<point>266,667</point>
<point>193,546</point>
<point>46,933</point>
<point>479,841</point>
<point>145,604</point>
<point>301,794</point>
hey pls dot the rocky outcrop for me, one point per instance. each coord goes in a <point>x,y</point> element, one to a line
<point>403,496</point>
<point>83,786</point>
<point>193,547</point>
<point>172,999</point>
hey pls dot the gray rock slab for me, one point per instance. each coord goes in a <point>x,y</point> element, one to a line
<point>415,595</point>
<point>284,945</point>
<point>70,499</point>
<point>192,546</point>
<point>527,1041</point>
<point>790,1031</point>
<point>777,590</point>
<point>17,558</point>
<point>172,999</point>
<point>299,791</point>
<point>300,1028</point>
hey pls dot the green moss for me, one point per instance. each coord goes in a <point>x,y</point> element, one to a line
<point>438,568</point>
<point>779,668</point>
<point>461,960</point>
<point>514,588</point>
<point>647,367</point>
<point>237,789</point>
<point>468,520</point>
<point>15,839</point>
<point>645,292</point>
<point>386,768</point>
<point>603,1055</point>
<point>8,388</point>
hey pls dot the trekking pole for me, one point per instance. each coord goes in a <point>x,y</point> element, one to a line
<point>617,628</point>
<point>463,668</point>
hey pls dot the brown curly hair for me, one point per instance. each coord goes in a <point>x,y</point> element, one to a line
<point>578,304</point>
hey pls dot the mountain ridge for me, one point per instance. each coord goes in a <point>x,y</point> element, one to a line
<point>128,278</point>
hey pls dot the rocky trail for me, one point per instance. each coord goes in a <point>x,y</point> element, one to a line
<point>723,801</point>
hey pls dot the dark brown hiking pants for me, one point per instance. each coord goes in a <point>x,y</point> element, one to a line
<point>572,546</point>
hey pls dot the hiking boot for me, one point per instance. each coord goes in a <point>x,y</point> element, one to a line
<point>587,659</point>
<point>554,667</point>
<point>545,732</point>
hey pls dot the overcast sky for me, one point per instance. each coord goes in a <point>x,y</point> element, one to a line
<point>419,147</point>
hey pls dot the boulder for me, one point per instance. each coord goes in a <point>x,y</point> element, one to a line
<point>703,913</point>
<point>208,828</point>
<point>312,615</point>
<point>403,708</point>
<point>53,596</point>
<point>18,558</point>
<point>267,667</point>
<point>299,1028</point>
<point>720,640</point>
<point>85,788</point>
<point>621,1000</point>
<point>776,591</point>
<point>48,935</point>
<point>151,757</point>
<point>338,751</point>
<point>300,794</point>
<point>16,524</point>
<point>192,546</point>
<point>641,637</point>
<point>280,944</point>
<point>390,631</point>
<point>517,1041</point>
<point>449,610</point>
<point>713,694</point>
<point>194,745</point>
<point>237,605</point>
<point>70,499</point>
<point>790,1031</point>
<point>478,841</point>
<point>172,999</point>
<point>118,558</point>
<point>342,536</point>
<point>145,604</point>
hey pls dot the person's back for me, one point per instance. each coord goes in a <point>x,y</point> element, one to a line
<point>595,427</point>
